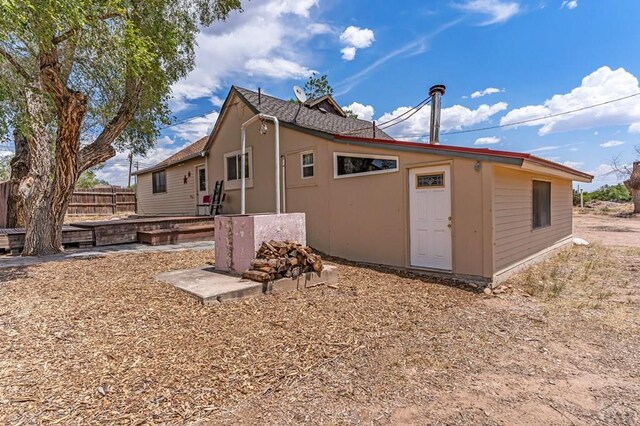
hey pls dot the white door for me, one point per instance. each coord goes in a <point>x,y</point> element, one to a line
<point>430,217</point>
<point>201,187</point>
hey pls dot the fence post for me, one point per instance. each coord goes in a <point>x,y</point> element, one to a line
<point>114,200</point>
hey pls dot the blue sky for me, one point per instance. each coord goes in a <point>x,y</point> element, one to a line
<point>501,60</point>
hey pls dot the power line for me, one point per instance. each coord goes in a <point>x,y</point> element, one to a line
<point>407,117</point>
<point>530,120</point>
<point>386,124</point>
<point>185,120</point>
<point>573,111</point>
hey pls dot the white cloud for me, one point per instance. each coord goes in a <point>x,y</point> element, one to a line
<point>498,11</point>
<point>195,129</point>
<point>569,4</point>
<point>364,112</point>
<point>355,38</point>
<point>319,28</point>
<point>487,140</point>
<point>545,148</point>
<point>279,68</point>
<point>250,41</point>
<point>487,91</point>
<point>348,53</point>
<point>452,118</point>
<point>600,86</point>
<point>611,144</point>
<point>573,164</point>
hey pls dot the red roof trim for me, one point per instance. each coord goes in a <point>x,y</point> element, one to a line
<point>481,151</point>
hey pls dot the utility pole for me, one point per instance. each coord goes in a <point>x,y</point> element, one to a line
<point>130,165</point>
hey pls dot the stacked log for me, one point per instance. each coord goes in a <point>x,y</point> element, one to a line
<point>282,259</point>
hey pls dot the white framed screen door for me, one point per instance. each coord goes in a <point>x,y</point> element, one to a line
<point>430,217</point>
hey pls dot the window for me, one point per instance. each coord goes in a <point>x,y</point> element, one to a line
<point>202,179</point>
<point>434,180</point>
<point>159,181</point>
<point>232,169</point>
<point>541,204</point>
<point>307,165</point>
<point>347,165</point>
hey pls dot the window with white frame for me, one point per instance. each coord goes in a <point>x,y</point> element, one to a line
<point>348,165</point>
<point>308,162</point>
<point>233,168</point>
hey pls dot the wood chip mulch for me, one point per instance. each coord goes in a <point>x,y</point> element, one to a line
<point>100,341</point>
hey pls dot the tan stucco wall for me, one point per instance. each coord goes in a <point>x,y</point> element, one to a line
<point>180,198</point>
<point>515,239</point>
<point>362,218</point>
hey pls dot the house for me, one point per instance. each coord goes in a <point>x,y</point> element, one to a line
<point>464,212</point>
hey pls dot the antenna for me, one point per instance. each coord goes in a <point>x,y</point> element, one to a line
<point>300,96</point>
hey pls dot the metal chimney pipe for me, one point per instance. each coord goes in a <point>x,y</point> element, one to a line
<point>436,93</point>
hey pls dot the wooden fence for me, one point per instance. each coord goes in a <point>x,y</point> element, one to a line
<point>102,201</point>
<point>96,201</point>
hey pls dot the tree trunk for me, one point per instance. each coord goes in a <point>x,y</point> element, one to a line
<point>35,187</point>
<point>19,170</point>
<point>70,118</point>
<point>633,185</point>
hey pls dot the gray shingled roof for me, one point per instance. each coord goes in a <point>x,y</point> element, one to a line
<point>311,118</point>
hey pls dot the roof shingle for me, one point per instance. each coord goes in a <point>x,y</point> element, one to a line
<point>303,116</point>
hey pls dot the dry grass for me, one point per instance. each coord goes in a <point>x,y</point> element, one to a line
<point>585,276</point>
<point>101,342</point>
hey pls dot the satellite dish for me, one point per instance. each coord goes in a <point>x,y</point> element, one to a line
<point>299,94</point>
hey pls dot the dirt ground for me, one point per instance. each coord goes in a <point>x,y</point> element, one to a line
<point>609,225</point>
<point>100,341</point>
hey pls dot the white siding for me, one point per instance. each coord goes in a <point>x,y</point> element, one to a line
<point>514,236</point>
<point>180,198</point>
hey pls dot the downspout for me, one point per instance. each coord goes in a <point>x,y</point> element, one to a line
<point>243,185</point>
<point>284,183</point>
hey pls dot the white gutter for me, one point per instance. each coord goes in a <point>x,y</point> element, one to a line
<point>243,161</point>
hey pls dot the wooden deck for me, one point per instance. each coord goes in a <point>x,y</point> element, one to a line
<point>122,231</point>
<point>12,239</point>
<point>109,232</point>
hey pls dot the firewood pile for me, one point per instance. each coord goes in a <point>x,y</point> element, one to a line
<point>286,259</point>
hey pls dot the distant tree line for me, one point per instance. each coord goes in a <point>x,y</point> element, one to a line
<point>616,193</point>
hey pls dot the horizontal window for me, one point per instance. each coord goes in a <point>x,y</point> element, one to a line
<point>347,165</point>
<point>435,180</point>
<point>159,181</point>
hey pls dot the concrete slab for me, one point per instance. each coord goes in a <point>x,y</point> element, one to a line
<point>210,286</point>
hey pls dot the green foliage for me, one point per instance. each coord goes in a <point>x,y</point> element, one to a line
<point>88,180</point>
<point>102,44</point>
<point>350,113</point>
<point>617,193</point>
<point>317,87</point>
<point>5,167</point>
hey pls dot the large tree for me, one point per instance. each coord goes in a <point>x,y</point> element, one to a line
<point>81,78</point>
<point>631,174</point>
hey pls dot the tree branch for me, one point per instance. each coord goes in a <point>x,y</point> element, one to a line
<point>73,31</point>
<point>16,65</point>
<point>101,150</point>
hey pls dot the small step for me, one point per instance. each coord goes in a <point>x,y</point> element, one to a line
<point>177,234</point>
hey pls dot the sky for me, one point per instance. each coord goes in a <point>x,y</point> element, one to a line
<point>502,61</point>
